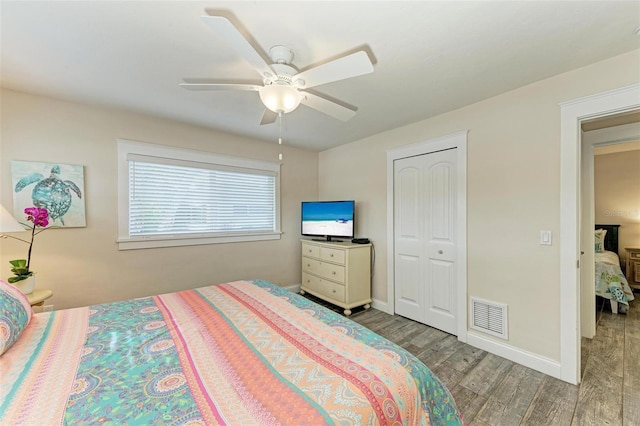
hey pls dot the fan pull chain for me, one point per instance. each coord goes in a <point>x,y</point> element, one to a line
<point>280,135</point>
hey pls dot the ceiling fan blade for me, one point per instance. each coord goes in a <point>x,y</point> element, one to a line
<point>218,86</point>
<point>328,107</point>
<point>268,117</point>
<point>346,67</point>
<point>234,37</point>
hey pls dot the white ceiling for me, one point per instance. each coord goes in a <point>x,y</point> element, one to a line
<point>429,57</point>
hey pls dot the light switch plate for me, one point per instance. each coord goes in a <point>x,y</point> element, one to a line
<point>545,238</point>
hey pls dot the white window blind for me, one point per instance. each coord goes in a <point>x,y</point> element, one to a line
<point>191,195</point>
<point>171,199</point>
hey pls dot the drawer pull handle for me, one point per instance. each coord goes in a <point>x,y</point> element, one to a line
<point>334,272</point>
<point>331,255</point>
<point>439,251</point>
<point>334,290</point>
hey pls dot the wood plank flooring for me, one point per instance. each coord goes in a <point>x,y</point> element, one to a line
<point>490,390</point>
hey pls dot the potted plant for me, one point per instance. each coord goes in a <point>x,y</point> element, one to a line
<point>20,270</point>
<point>23,275</point>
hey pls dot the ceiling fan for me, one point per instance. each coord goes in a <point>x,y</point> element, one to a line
<point>283,88</point>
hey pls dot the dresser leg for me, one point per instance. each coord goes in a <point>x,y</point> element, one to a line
<point>367,306</point>
<point>347,312</point>
<point>301,292</point>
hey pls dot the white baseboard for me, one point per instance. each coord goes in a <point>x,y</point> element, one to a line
<point>536,362</point>
<point>294,288</point>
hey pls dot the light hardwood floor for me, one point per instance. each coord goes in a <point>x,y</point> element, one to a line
<point>490,390</point>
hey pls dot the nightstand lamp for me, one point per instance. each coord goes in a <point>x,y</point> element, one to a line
<point>8,223</point>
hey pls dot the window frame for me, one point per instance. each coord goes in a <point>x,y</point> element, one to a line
<point>125,241</point>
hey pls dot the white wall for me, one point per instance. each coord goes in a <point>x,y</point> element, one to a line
<point>513,192</point>
<point>83,265</point>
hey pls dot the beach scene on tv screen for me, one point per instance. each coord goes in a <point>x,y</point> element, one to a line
<point>328,219</point>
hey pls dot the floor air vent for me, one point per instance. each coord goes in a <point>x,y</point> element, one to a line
<point>489,317</point>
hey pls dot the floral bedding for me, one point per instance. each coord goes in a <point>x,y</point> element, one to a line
<point>239,353</point>
<point>610,281</point>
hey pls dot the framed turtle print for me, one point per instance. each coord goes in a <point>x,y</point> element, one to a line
<point>57,187</point>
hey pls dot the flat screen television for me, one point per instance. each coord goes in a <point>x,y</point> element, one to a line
<point>328,219</point>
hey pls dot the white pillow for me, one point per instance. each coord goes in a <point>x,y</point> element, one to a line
<point>599,237</point>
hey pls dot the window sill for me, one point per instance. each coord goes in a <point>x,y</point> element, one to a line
<point>178,241</point>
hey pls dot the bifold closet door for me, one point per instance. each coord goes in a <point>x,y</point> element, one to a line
<point>424,239</point>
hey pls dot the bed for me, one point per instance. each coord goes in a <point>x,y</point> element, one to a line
<point>611,283</point>
<point>240,353</point>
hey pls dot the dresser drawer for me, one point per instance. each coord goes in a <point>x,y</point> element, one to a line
<point>311,251</point>
<point>635,255</point>
<point>311,282</point>
<point>332,290</point>
<point>311,265</point>
<point>332,255</point>
<point>323,287</point>
<point>332,272</point>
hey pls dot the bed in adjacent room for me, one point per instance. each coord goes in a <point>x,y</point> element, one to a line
<point>236,353</point>
<point>611,283</point>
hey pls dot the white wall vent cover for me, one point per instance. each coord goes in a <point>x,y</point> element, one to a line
<point>489,317</point>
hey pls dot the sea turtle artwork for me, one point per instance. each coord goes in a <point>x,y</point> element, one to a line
<point>51,193</point>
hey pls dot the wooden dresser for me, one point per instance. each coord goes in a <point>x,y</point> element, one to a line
<point>339,273</point>
<point>633,267</point>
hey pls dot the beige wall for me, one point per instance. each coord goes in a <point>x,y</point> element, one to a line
<point>617,195</point>
<point>83,265</point>
<point>513,192</point>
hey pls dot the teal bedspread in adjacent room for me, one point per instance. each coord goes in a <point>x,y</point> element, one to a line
<point>610,281</point>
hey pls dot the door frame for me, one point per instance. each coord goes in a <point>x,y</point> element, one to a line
<point>456,140</point>
<point>572,113</point>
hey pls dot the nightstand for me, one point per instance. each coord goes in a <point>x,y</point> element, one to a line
<point>633,266</point>
<point>38,296</point>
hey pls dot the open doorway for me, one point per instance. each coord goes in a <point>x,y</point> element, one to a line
<point>572,114</point>
<point>615,140</point>
<point>610,200</point>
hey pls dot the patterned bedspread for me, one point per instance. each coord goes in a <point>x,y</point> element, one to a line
<point>610,281</point>
<point>240,353</point>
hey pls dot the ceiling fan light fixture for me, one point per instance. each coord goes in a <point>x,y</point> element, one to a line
<point>280,97</point>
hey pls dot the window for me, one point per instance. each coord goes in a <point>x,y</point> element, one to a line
<point>173,197</point>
